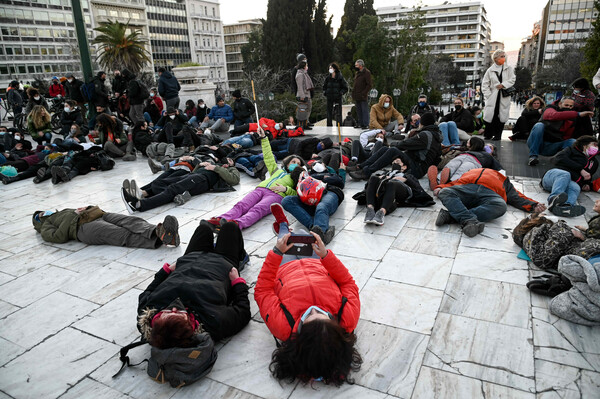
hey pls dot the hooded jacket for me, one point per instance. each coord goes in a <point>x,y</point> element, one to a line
<point>573,160</point>
<point>100,91</point>
<point>420,155</point>
<point>278,176</point>
<point>59,227</point>
<point>283,293</point>
<point>73,90</point>
<point>168,86</point>
<point>559,125</point>
<point>462,118</point>
<point>201,281</point>
<point>381,116</point>
<point>242,109</point>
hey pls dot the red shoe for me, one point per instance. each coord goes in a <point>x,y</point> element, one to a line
<point>215,221</point>
<point>432,176</point>
<point>444,176</point>
<point>277,211</point>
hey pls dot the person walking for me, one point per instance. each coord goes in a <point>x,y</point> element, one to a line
<point>360,93</point>
<point>496,80</point>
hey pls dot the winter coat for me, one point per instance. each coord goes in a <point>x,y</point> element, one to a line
<point>70,118</point>
<point>135,92</point>
<point>306,148</point>
<point>573,160</point>
<point>34,130</point>
<point>14,97</point>
<point>142,139</point>
<point>416,148</point>
<point>278,176</point>
<point>119,84</point>
<point>304,83</point>
<point>32,103</point>
<point>168,86</point>
<point>242,109</point>
<point>584,101</point>
<point>528,118</point>
<point>462,118</point>
<point>283,293</point>
<point>546,243</point>
<point>55,90</point>
<point>100,92</point>
<point>417,198</point>
<point>178,122</point>
<point>335,88</point>
<point>228,177</point>
<point>381,116</point>
<point>559,125</point>
<point>491,93</point>
<point>362,85</point>
<point>119,133</point>
<point>225,112</point>
<point>73,90</point>
<point>59,227</point>
<point>498,183</point>
<point>201,281</point>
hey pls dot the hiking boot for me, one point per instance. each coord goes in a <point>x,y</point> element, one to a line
<point>357,174</point>
<point>167,231</point>
<point>129,201</point>
<point>329,233</point>
<point>533,161</point>
<point>279,214</point>
<point>9,179</point>
<point>445,176</point>
<point>155,166</point>
<point>318,230</point>
<point>473,227</point>
<point>432,172</point>
<point>370,215</point>
<point>129,157</point>
<point>568,210</point>
<point>557,200</point>
<point>181,199</point>
<point>63,173</point>
<point>41,173</point>
<point>54,172</point>
<point>352,166</point>
<point>443,218</point>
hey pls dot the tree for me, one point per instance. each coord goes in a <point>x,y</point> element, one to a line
<point>344,44</point>
<point>592,48</point>
<point>373,46</point>
<point>322,53</point>
<point>119,49</point>
<point>523,81</point>
<point>252,52</point>
<point>441,73</point>
<point>561,71</point>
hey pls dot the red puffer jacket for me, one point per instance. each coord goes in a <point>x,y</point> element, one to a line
<point>295,286</point>
<point>55,90</point>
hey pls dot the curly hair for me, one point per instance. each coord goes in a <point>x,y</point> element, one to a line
<point>529,103</point>
<point>526,225</point>
<point>106,121</point>
<point>171,332</point>
<point>40,117</point>
<point>323,350</point>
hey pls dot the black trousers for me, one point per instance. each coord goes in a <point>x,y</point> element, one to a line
<point>395,192</point>
<point>379,159</point>
<point>494,129</point>
<point>330,112</point>
<point>230,242</point>
<point>194,183</point>
<point>360,153</point>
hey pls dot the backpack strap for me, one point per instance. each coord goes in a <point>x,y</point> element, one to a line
<point>339,313</point>
<point>423,153</point>
<point>288,316</point>
<point>125,359</point>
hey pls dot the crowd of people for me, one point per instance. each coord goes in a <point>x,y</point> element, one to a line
<point>306,296</point>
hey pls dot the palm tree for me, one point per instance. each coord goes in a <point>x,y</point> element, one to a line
<point>118,49</point>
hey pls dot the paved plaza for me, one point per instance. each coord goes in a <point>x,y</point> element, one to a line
<point>442,315</point>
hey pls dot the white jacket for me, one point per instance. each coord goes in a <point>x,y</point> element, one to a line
<point>596,80</point>
<point>490,92</point>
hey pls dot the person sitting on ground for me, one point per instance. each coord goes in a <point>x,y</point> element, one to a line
<point>123,108</point>
<point>71,115</point>
<point>480,196</point>
<point>35,98</point>
<point>172,131</point>
<point>319,195</point>
<point>56,89</point>
<point>157,100</point>
<point>534,107</point>
<point>200,110</point>
<point>457,125</point>
<point>314,312</point>
<point>243,109</point>
<point>385,117</point>
<point>555,131</point>
<point>422,107</point>
<point>477,155</point>
<point>39,125</point>
<point>91,225</point>
<point>142,136</point>
<point>256,204</point>
<point>218,118</point>
<point>151,113</point>
<point>190,113</point>
<point>584,100</point>
<point>478,122</point>
<point>188,177</point>
<point>387,190</point>
<point>201,291</point>
<point>573,171</point>
<point>113,139</point>
<point>413,124</point>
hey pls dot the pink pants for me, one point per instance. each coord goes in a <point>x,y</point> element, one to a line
<point>253,207</point>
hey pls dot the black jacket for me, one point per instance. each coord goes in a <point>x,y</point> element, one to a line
<point>573,160</point>
<point>178,123</point>
<point>201,281</point>
<point>335,88</point>
<point>14,97</point>
<point>416,148</point>
<point>135,92</point>
<point>462,118</point>
<point>168,86</point>
<point>70,118</point>
<point>486,160</point>
<point>119,84</point>
<point>242,109</point>
<point>100,92</point>
<point>142,139</point>
<point>73,90</point>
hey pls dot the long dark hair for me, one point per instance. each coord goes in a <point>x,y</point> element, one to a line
<point>323,350</point>
<point>171,332</point>
<point>477,144</point>
<point>106,121</point>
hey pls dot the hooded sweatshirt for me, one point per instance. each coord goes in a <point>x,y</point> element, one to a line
<point>168,86</point>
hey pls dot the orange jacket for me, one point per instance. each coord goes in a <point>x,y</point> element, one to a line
<point>498,183</point>
<point>290,289</point>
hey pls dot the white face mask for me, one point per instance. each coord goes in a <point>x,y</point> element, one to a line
<point>318,167</point>
<point>331,70</point>
<point>36,98</point>
<point>380,139</point>
<point>18,138</point>
<point>70,80</point>
<point>172,116</point>
<point>277,126</point>
<point>67,109</point>
<point>202,105</point>
<point>386,105</point>
<point>151,94</point>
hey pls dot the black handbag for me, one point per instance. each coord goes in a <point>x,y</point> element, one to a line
<point>508,92</point>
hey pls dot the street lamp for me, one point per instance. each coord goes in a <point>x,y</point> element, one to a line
<point>396,93</point>
<point>271,96</point>
<point>261,97</point>
<point>373,94</point>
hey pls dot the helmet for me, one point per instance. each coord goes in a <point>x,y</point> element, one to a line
<point>310,190</point>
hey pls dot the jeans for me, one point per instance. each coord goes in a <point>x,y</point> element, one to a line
<point>215,125</point>
<point>450,132</point>
<point>194,122</point>
<point>245,141</point>
<point>250,162</point>
<point>537,145</point>
<point>362,113</point>
<point>471,202</point>
<point>240,122</point>
<point>311,216</point>
<point>559,181</point>
<point>47,137</point>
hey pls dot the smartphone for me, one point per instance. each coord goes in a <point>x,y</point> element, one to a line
<point>302,239</point>
<point>301,245</point>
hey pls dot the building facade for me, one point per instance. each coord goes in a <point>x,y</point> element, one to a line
<point>236,35</point>
<point>528,50</point>
<point>461,30</point>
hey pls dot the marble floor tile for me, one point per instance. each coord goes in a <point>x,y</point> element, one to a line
<point>407,306</point>
<point>492,238</point>
<point>438,384</point>
<point>152,259</point>
<point>487,300</point>
<point>483,350</point>
<point>7,308</point>
<point>92,389</point>
<point>360,269</point>
<point>21,242</point>
<point>26,262</point>
<point>51,314</point>
<point>425,220</point>
<point>92,257</point>
<point>416,269</point>
<point>5,278</point>
<point>348,209</point>
<point>8,351</point>
<point>567,382</point>
<point>260,231</point>
<point>575,359</point>
<point>550,331</point>
<point>351,243</point>
<point>427,242</point>
<point>322,391</point>
<point>207,388</point>
<point>391,357</point>
<point>491,265</point>
<point>508,221</point>
<point>392,225</point>
<point>35,285</point>
<point>74,355</point>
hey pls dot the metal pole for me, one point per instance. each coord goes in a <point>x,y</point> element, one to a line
<point>84,48</point>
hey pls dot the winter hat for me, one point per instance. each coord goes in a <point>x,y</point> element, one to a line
<point>427,119</point>
<point>69,75</point>
<point>236,94</point>
<point>327,143</point>
<point>171,110</point>
<point>403,157</point>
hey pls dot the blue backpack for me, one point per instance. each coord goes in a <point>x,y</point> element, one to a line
<point>88,91</point>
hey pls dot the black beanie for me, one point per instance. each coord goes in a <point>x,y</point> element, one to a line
<point>236,94</point>
<point>427,119</point>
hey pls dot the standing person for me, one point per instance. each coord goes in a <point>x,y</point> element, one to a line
<point>73,90</point>
<point>534,107</point>
<point>119,83</point>
<point>243,109</point>
<point>497,102</point>
<point>303,94</point>
<point>56,89</point>
<point>168,88</point>
<point>100,97</point>
<point>14,98</point>
<point>334,88</point>
<point>360,93</point>
<point>137,92</point>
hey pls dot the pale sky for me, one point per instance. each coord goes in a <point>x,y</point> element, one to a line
<point>511,20</point>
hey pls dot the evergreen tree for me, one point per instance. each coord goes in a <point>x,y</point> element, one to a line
<point>252,52</point>
<point>523,81</point>
<point>344,44</point>
<point>323,50</point>
<point>592,48</point>
<point>283,35</point>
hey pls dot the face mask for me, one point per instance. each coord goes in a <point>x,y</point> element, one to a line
<point>320,147</point>
<point>396,166</point>
<point>172,116</point>
<point>70,80</point>
<point>380,139</point>
<point>73,131</point>
<point>18,138</point>
<point>45,152</point>
<point>277,126</point>
<point>417,123</point>
<point>319,167</point>
<point>356,68</point>
<point>575,91</point>
<point>386,105</point>
<point>202,105</point>
<point>500,61</point>
<point>458,107</point>
<point>47,213</point>
<point>479,116</point>
<point>591,151</point>
<point>308,311</point>
<point>488,149</point>
<point>292,166</point>
<point>151,94</point>
<point>422,103</point>
<point>67,109</point>
<point>331,70</point>
<point>36,98</point>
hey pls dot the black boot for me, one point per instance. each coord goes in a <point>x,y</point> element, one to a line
<point>9,179</point>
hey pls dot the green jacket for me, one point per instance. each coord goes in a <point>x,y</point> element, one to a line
<point>59,227</point>
<point>117,134</point>
<point>33,131</point>
<point>278,176</point>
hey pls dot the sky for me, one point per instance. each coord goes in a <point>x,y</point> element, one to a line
<point>511,20</point>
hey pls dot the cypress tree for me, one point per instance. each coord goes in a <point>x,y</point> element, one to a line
<point>353,10</point>
<point>283,35</point>
<point>323,47</point>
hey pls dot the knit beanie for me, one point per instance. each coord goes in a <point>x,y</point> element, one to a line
<point>427,119</point>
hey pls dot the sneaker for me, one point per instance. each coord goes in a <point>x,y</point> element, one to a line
<point>126,185</point>
<point>329,235</point>
<point>445,176</point>
<point>318,230</point>
<point>432,172</point>
<point>214,221</point>
<point>568,210</point>
<point>181,199</point>
<point>557,200</point>
<point>55,178</point>
<point>378,218</point>
<point>135,190</point>
<point>370,215</point>
<point>473,227</point>
<point>40,174</point>
<point>443,218</point>
<point>129,201</point>
<point>62,174</point>
<point>36,180</point>
<point>167,231</point>
<point>357,174</point>
<point>277,211</point>
<point>129,157</point>
<point>155,166</point>
<point>533,161</point>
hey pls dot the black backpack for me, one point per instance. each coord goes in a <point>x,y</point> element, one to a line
<point>144,92</point>
<point>88,91</point>
<point>105,162</point>
<point>177,366</point>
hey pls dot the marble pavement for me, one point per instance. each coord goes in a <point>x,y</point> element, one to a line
<point>443,315</point>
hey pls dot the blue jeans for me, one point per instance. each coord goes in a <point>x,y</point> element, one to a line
<point>362,113</point>
<point>559,181</point>
<point>194,122</point>
<point>450,132</point>
<point>244,140</point>
<point>283,230</point>
<point>311,216</point>
<point>240,122</point>
<point>249,162</point>
<point>537,145</point>
<point>472,202</point>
